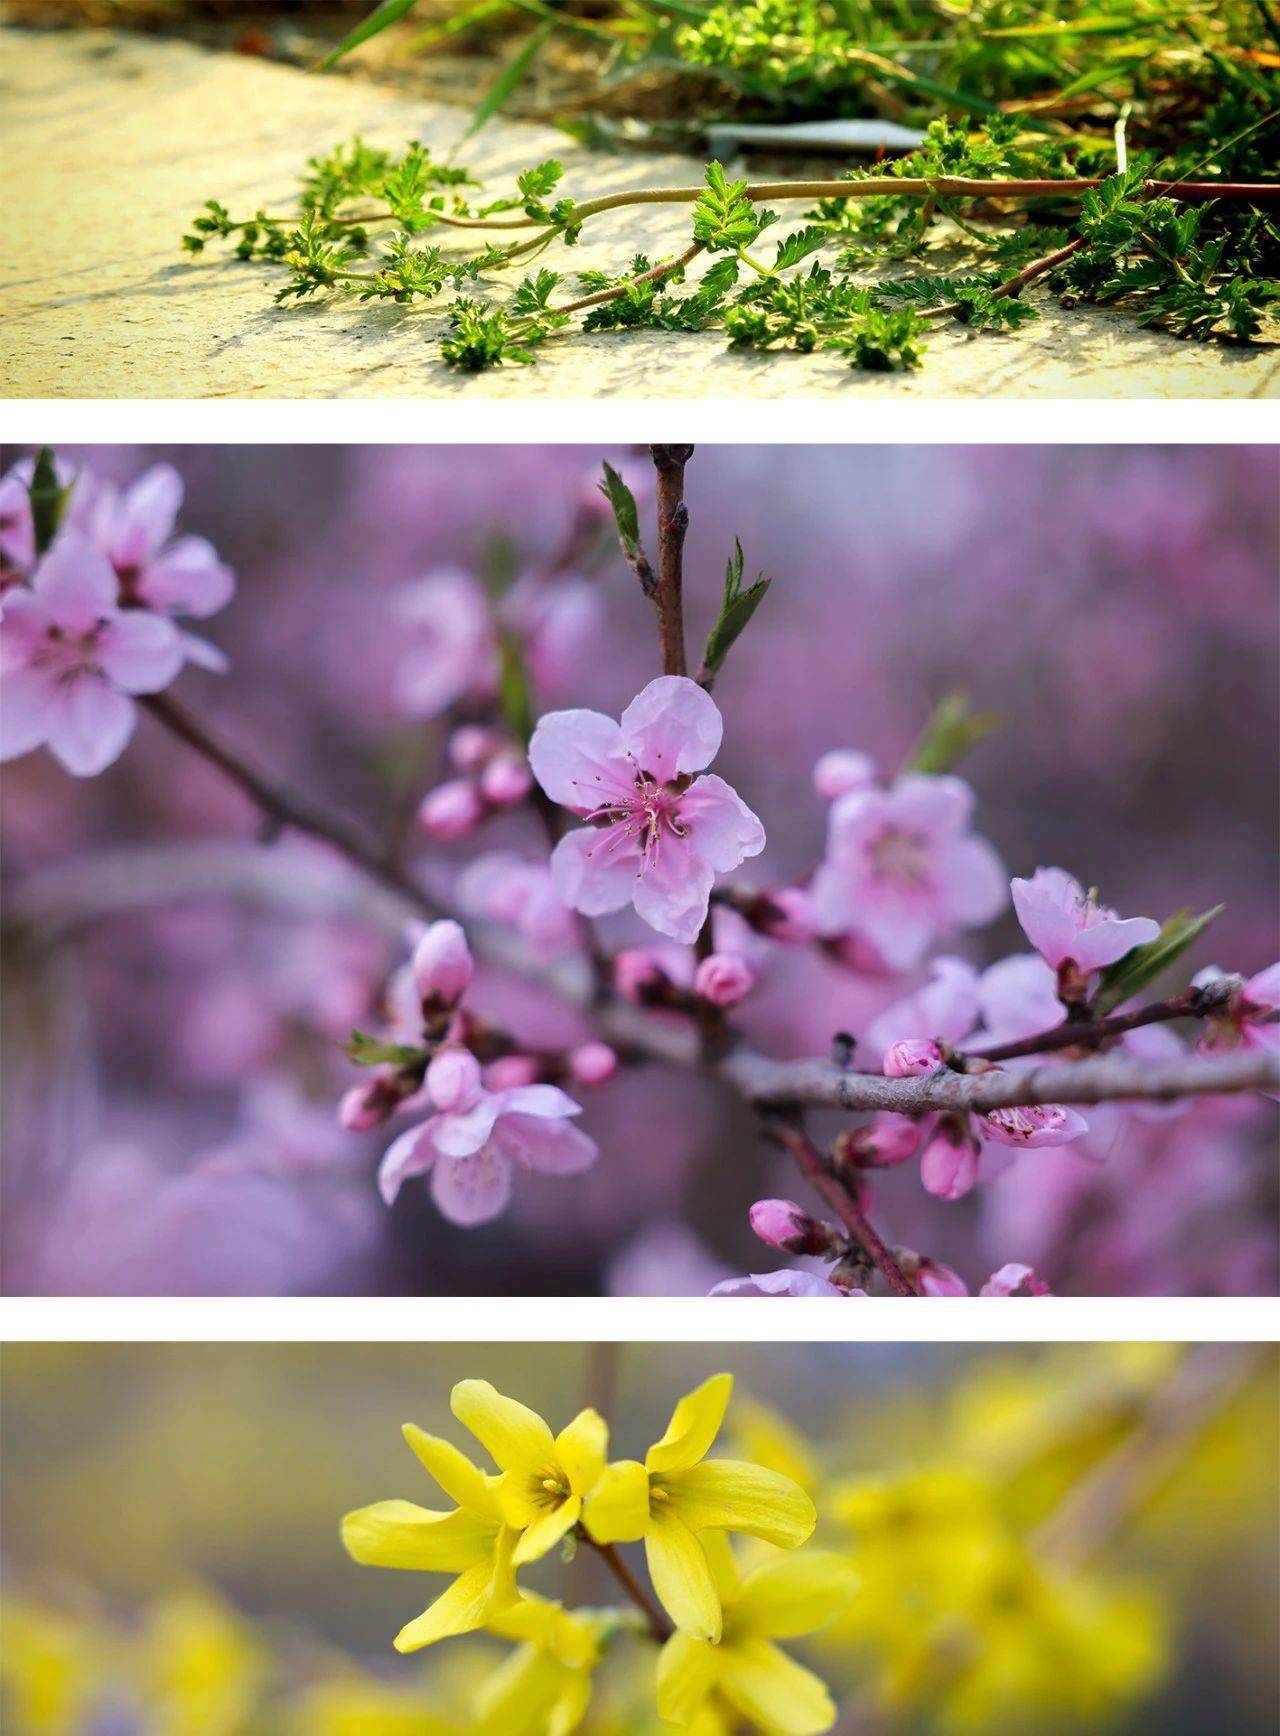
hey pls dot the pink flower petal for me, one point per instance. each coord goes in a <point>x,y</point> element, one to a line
<point>203,654</point>
<point>412,1154</point>
<point>462,1132</point>
<point>974,880</point>
<point>940,807</point>
<point>594,869</point>
<point>90,726</point>
<point>721,827</point>
<point>28,703</point>
<point>472,1190</point>
<point>145,516</point>
<point>551,1147</point>
<point>579,759</point>
<point>76,583</point>
<point>141,653</point>
<point>547,1102</point>
<point>1037,1125</point>
<point>672,727</point>
<point>673,893</point>
<point>786,1282</point>
<point>187,579</point>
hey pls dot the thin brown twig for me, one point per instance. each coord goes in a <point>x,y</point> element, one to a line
<point>660,1627</point>
<point>673,524</point>
<point>653,276</point>
<point>820,1175</point>
<point>1077,1033</point>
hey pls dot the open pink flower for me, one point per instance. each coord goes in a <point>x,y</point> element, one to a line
<point>501,886</point>
<point>1036,1124</point>
<point>659,833</point>
<point>1066,924</point>
<point>1250,1017</point>
<point>182,576</point>
<point>787,1282</point>
<point>472,1147</point>
<point>1014,1279</point>
<point>71,659</point>
<point>450,648</point>
<point>901,868</point>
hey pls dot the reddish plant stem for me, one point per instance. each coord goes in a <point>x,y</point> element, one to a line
<point>1093,1033</point>
<point>659,1627</point>
<point>655,275</point>
<point>817,1171</point>
<point>673,523</point>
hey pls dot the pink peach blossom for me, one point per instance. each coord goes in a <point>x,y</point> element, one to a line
<point>452,810</point>
<point>506,780</point>
<point>471,1152</point>
<point>841,770</point>
<point>944,1009</point>
<point>1035,1125</point>
<point>913,1056</point>
<point>450,647</point>
<point>659,832</point>
<point>949,1164</point>
<point>902,869</point>
<point>72,660</point>
<point>592,1064</point>
<point>182,576</point>
<point>442,965</point>
<point>1014,1280</point>
<point>1250,1016</point>
<point>787,1282</point>
<point>501,886</point>
<point>887,1142</point>
<point>509,1072</point>
<point>1067,925</point>
<point>936,1279</point>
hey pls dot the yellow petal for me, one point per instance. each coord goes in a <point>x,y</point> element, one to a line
<point>398,1534</point>
<point>796,1594</point>
<point>547,1530</point>
<point>682,1578</point>
<point>519,1693</point>
<point>581,1447</point>
<point>474,1597</point>
<point>517,1437</point>
<point>521,1500</point>
<point>617,1510</point>
<point>774,1691</point>
<point>730,1495</point>
<point>723,1564</point>
<point>694,1424</point>
<point>687,1673</point>
<point>454,1472</point>
<point>571,1704</point>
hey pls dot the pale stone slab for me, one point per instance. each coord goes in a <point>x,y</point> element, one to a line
<point>110,142</point>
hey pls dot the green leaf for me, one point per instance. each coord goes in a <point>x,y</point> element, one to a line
<point>507,80</point>
<point>367,1051</point>
<point>48,499</point>
<point>949,734</point>
<point>625,513</point>
<point>389,12</point>
<point>800,244</point>
<point>737,606</point>
<point>1143,964</point>
<point>513,689</point>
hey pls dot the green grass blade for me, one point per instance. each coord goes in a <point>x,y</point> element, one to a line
<point>389,12</point>
<point>508,79</point>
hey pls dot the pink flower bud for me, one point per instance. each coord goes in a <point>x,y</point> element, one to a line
<point>592,1064</point>
<point>795,918</point>
<point>473,745</point>
<point>949,1166</point>
<point>506,780</point>
<point>510,1072</point>
<point>451,810</point>
<point>453,1079</point>
<point>935,1279</point>
<point>841,770</point>
<point>360,1109</point>
<point>1014,1280</point>
<point>891,1140</point>
<point>724,979</point>
<point>636,973</point>
<point>917,1055</point>
<point>442,964</point>
<point>785,1225</point>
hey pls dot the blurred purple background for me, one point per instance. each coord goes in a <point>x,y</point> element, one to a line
<point>173,1070</point>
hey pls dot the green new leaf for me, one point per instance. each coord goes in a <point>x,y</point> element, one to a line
<point>367,1051</point>
<point>1143,964</point>
<point>800,244</point>
<point>737,606</point>
<point>625,513</point>
<point>949,734</point>
<point>48,499</point>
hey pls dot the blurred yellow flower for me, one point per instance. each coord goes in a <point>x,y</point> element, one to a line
<point>544,1687</point>
<point>678,1493</point>
<point>745,1674</point>
<point>352,1703</point>
<point>474,1542</point>
<point>51,1665</point>
<point>201,1669</point>
<point>545,1477</point>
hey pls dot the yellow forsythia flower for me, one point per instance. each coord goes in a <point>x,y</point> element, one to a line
<point>746,1674</point>
<point>51,1666</point>
<point>678,1494</point>
<point>544,1687</point>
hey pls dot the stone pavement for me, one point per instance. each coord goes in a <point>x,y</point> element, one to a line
<point>108,143</point>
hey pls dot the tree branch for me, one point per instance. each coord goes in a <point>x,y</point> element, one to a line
<point>673,523</point>
<point>1085,1033</point>
<point>659,1627</point>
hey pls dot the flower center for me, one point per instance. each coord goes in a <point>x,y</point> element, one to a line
<point>1022,1123</point>
<point>1089,912</point>
<point>642,816</point>
<point>67,656</point>
<point>899,855</point>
